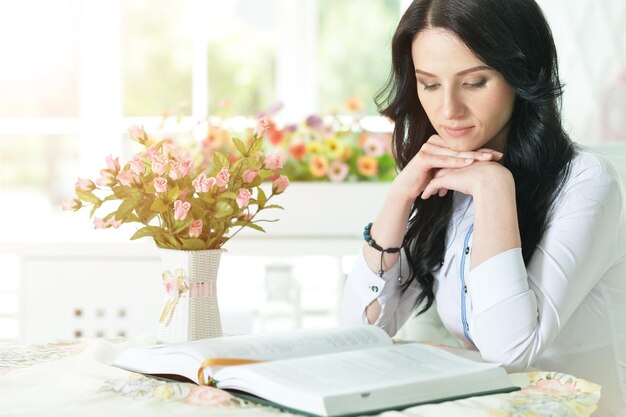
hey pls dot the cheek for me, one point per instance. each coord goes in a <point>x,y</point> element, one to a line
<point>428,105</point>
<point>498,108</point>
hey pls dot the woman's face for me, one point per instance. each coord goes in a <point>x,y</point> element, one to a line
<point>468,103</point>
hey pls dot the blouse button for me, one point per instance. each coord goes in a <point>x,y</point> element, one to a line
<point>467,250</point>
<point>374,288</point>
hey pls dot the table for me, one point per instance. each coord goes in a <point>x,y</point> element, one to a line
<point>74,378</point>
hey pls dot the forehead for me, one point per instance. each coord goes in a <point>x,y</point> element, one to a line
<point>439,50</point>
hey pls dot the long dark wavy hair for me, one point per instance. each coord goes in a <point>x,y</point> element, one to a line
<point>513,38</point>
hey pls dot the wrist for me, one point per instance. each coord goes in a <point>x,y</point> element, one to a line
<point>400,193</point>
<point>498,184</point>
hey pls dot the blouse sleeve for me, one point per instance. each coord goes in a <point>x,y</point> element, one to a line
<point>364,286</point>
<point>518,310</point>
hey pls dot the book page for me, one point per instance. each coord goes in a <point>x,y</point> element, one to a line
<point>362,370</point>
<point>288,344</point>
<point>365,380</point>
<point>185,358</point>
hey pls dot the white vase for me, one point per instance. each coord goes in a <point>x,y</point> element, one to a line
<point>190,310</point>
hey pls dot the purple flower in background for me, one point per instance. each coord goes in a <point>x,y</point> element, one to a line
<point>291,128</point>
<point>314,121</point>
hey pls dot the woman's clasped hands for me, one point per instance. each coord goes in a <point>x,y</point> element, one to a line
<point>436,169</point>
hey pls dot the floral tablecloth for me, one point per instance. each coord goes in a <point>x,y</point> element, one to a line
<point>76,379</point>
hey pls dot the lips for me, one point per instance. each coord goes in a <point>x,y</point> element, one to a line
<point>458,131</point>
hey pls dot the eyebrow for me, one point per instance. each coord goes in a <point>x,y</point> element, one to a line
<point>466,71</point>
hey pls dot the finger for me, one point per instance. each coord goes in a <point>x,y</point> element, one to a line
<point>496,154</point>
<point>442,192</point>
<point>433,187</point>
<point>438,161</point>
<point>428,191</point>
<point>441,172</point>
<point>436,146</point>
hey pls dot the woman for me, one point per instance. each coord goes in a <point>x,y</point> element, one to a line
<point>518,234</point>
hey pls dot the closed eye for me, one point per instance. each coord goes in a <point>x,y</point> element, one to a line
<point>479,84</point>
<point>430,86</point>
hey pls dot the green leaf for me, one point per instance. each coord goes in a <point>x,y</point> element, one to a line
<point>120,192</point>
<point>171,240</point>
<point>183,226</point>
<point>148,231</point>
<point>132,218</point>
<point>193,244</point>
<point>89,197</point>
<point>255,227</point>
<point>93,210</point>
<point>126,208</point>
<point>261,198</point>
<point>241,147</point>
<point>223,209</point>
<point>172,194</point>
<point>257,144</point>
<point>264,173</point>
<point>158,206</point>
<point>274,206</point>
<point>227,195</point>
<point>220,160</point>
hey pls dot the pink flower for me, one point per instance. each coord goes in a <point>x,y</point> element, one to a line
<point>185,167</point>
<point>159,166</point>
<point>99,223</point>
<point>243,198</point>
<point>273,161</point>
<point>107,178</point>
<point>171,285</point>
<point>261,127</point>
<point>197,183</point>
<point>72,205</point>
<point>113,164</point>
<point>137,165</point>
<point>114,223</point>
<point>202,184</point>
<point>127,177</point>
<point>222,177</point>
<point>209,397</point>
<point>174,170</point>
<point>195,228</point>
<point>137,134</point>
<point>181,209</point>
<point>249,175</point>
<point>374,146</point>
<point>160,184</point>
<point>208,183</point>
<point>338,171</point>
<point>280,184</point>
<point>84,185</point>
<point>152,153</point>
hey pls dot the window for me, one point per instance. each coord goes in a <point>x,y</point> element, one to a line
<point>353,53</point>
<point>71,87</point>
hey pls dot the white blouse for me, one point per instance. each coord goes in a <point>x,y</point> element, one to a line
<point>565,312</point>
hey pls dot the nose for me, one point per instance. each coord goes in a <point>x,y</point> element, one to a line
<point>453,106</point>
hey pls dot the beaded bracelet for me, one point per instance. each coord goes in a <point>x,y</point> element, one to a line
<point>368,238</point>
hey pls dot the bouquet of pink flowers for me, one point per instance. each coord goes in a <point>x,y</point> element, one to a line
<point>185,198</point>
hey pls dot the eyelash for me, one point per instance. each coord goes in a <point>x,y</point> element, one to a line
<point>479,84</point>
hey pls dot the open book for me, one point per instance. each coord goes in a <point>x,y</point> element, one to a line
<point>324,372</point>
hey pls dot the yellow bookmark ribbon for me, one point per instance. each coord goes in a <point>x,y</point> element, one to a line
<point>220,362</point>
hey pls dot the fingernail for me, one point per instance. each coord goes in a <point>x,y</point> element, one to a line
<point>486,155</point>
<point>468,160</point>
<point>498,154</point>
